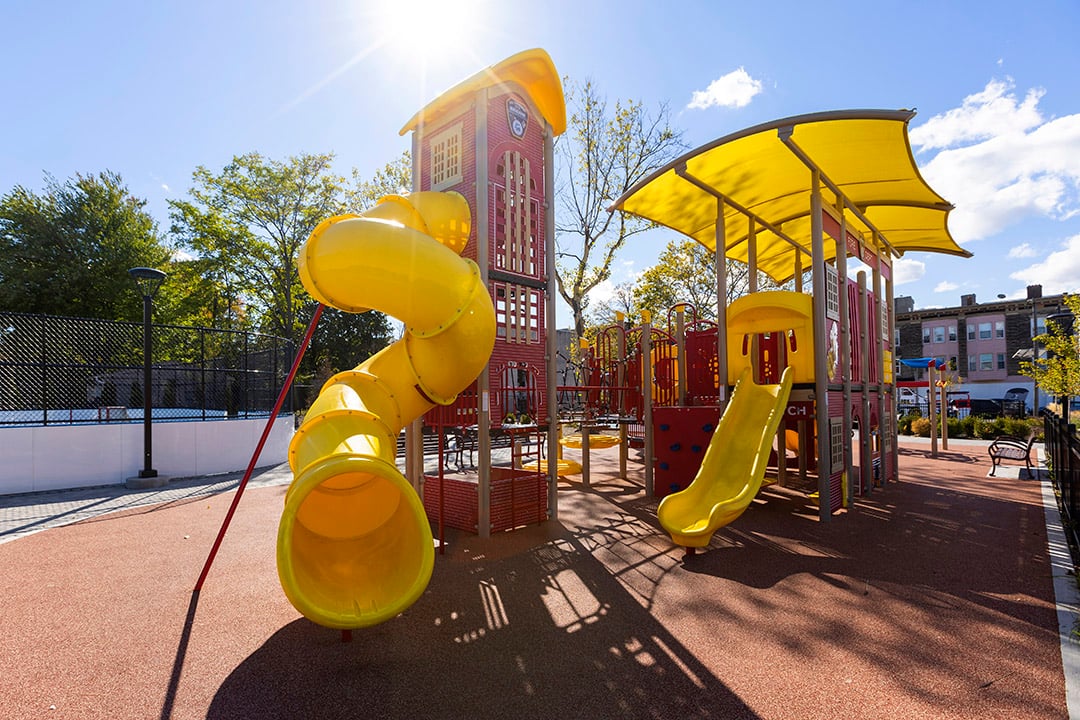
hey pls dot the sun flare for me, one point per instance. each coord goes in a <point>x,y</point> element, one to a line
<point>425,28</point>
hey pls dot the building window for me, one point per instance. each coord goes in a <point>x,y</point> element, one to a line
<point>985,331</point>
<point>986,361</point>
<point>952,333</point>
<point>446,158</point>
<point>926,336</point>
<point>971,332</point>
<point>939,334</point>
<point>973,363</point>
<point>896,337</point>
<point>999,329</point>
<point>1001,361</point>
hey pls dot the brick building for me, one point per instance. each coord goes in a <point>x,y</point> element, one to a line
<point>982,344</point>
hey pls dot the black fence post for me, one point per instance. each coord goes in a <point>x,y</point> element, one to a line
<point>44,371</point>
<point>202,370</point>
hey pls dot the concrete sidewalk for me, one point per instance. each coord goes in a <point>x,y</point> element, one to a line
<point>26,513</point>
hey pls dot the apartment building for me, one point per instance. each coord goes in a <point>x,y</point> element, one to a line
<point>981,344</point>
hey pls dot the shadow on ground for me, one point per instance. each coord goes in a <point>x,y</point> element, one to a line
<point>555,636</point>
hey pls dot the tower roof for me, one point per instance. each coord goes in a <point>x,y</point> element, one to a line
<point>531,70</point>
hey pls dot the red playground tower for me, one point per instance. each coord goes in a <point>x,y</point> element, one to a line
<point>491,139</point>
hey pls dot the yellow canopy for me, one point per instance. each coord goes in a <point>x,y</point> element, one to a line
<point>765,171</point>
<point>532,70</point>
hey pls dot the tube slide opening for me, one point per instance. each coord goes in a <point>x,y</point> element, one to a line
<point>355,546</point>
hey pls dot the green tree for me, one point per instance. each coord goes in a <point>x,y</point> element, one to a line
<point>603,154</point>
<point>684,273</point>
<point>1059,372</point>
<point>343,340</point>
<point>394,178</point>
<point>67,250</point>
<point>247,223</point>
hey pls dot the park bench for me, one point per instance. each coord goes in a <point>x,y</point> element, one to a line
<point>1007,447</point>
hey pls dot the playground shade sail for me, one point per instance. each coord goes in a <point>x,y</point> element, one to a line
<point>864,153</point>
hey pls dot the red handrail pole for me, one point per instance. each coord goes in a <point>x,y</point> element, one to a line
<point>258,448</point>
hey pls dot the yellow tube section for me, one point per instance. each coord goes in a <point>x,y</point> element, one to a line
<point>354,543</point>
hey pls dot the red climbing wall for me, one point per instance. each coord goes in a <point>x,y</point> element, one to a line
<point>680,436</point>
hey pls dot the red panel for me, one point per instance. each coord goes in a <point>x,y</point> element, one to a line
<point>855,334</point>
<point>702,369</point>
<point>680,437</point>
<point>518,498</point>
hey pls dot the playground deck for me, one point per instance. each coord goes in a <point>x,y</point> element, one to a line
<point>931,599</point>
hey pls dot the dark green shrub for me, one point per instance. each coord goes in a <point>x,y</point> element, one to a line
<point>956,427</point>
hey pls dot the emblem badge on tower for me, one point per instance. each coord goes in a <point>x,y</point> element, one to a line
<point>517,116</point>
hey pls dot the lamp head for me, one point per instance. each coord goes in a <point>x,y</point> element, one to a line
<point>147,280</point>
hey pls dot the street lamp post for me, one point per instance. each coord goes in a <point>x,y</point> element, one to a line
<point>1034,359</point>
<point>147,282</point>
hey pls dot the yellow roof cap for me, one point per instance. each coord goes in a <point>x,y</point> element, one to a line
<point>532,70</point>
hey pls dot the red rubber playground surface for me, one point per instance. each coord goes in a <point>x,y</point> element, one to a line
<point>932,598</point>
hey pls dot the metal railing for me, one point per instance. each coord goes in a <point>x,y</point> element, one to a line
<point>62,370</point>
<point>1063,454</point>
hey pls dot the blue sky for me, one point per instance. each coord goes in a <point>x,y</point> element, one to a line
<point>153,89</point>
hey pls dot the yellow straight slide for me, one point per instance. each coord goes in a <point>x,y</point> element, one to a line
<point>354,543</point>
<point>734,464</point>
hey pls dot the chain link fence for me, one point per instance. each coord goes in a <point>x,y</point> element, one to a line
<point>61,370</point>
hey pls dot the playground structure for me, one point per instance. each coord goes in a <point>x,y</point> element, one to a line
<point>466,261</point>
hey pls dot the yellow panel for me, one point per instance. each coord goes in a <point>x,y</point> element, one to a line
<point>774,311</point>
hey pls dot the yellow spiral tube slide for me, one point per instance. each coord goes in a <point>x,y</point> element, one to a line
<point>354,543</point>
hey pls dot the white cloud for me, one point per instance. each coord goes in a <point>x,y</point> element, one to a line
<point>981,116</point>
<point>734,90</point>
<point>1023,250</point>
<point>1058,273</point>
<point>604,291</point>
<point>1013,164</point>
<point>945,286</point>
<point>165,187</point>
<point>908,270</point>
